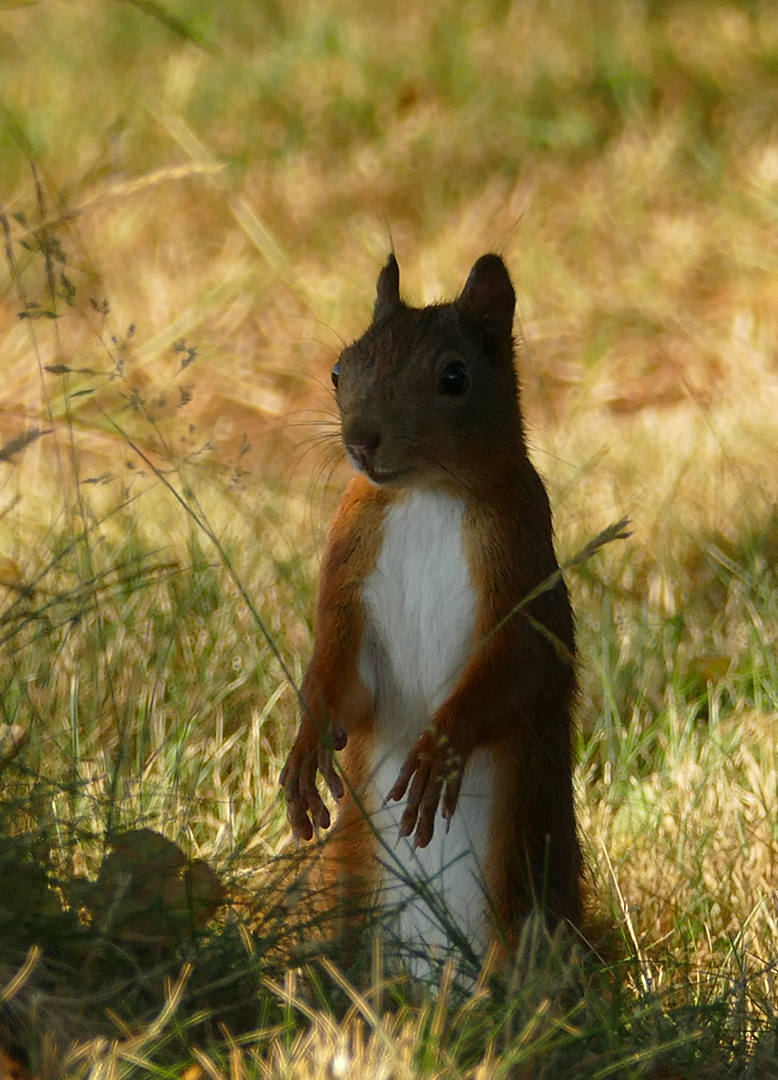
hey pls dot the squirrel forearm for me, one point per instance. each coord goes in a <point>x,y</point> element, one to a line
<point>491,704</point>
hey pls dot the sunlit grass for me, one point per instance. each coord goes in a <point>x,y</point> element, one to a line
<point>196,200</point>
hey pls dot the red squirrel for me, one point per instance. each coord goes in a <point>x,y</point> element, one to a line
<point>446,694</point>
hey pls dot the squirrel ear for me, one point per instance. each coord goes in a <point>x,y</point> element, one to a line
<point>387,289</point>
<point>488,298</point>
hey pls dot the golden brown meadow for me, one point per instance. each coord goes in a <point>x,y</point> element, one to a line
<point>195,203</point>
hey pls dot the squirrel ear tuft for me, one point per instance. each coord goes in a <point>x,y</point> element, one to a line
<point>387,289</point>
<point>488,299</point>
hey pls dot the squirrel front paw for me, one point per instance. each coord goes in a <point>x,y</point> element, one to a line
<point>432,768</point>
<point>310,755</point>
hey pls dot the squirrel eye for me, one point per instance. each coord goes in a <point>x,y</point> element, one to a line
<point>454,379</point>
<point>335,375</point>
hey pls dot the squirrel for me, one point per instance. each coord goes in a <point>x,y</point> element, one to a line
<point>443,672</point>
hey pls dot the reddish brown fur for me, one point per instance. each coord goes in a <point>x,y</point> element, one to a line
<point>517,689</point>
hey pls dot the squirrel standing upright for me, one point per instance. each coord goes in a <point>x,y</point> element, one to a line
<point>444,662</point>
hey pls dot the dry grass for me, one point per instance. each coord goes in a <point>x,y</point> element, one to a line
<point>203,198</point>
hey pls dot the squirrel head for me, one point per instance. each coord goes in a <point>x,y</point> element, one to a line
<point>428,397</point>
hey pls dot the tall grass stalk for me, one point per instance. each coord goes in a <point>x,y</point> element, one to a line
<point>194,203</point>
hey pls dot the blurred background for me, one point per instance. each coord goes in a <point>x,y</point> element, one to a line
<point>219,184</point>
<point>195,202</point>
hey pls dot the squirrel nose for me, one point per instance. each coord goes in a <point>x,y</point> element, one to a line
<point>363,449</point>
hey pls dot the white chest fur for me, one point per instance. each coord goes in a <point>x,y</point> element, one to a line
<point>420,608</point>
